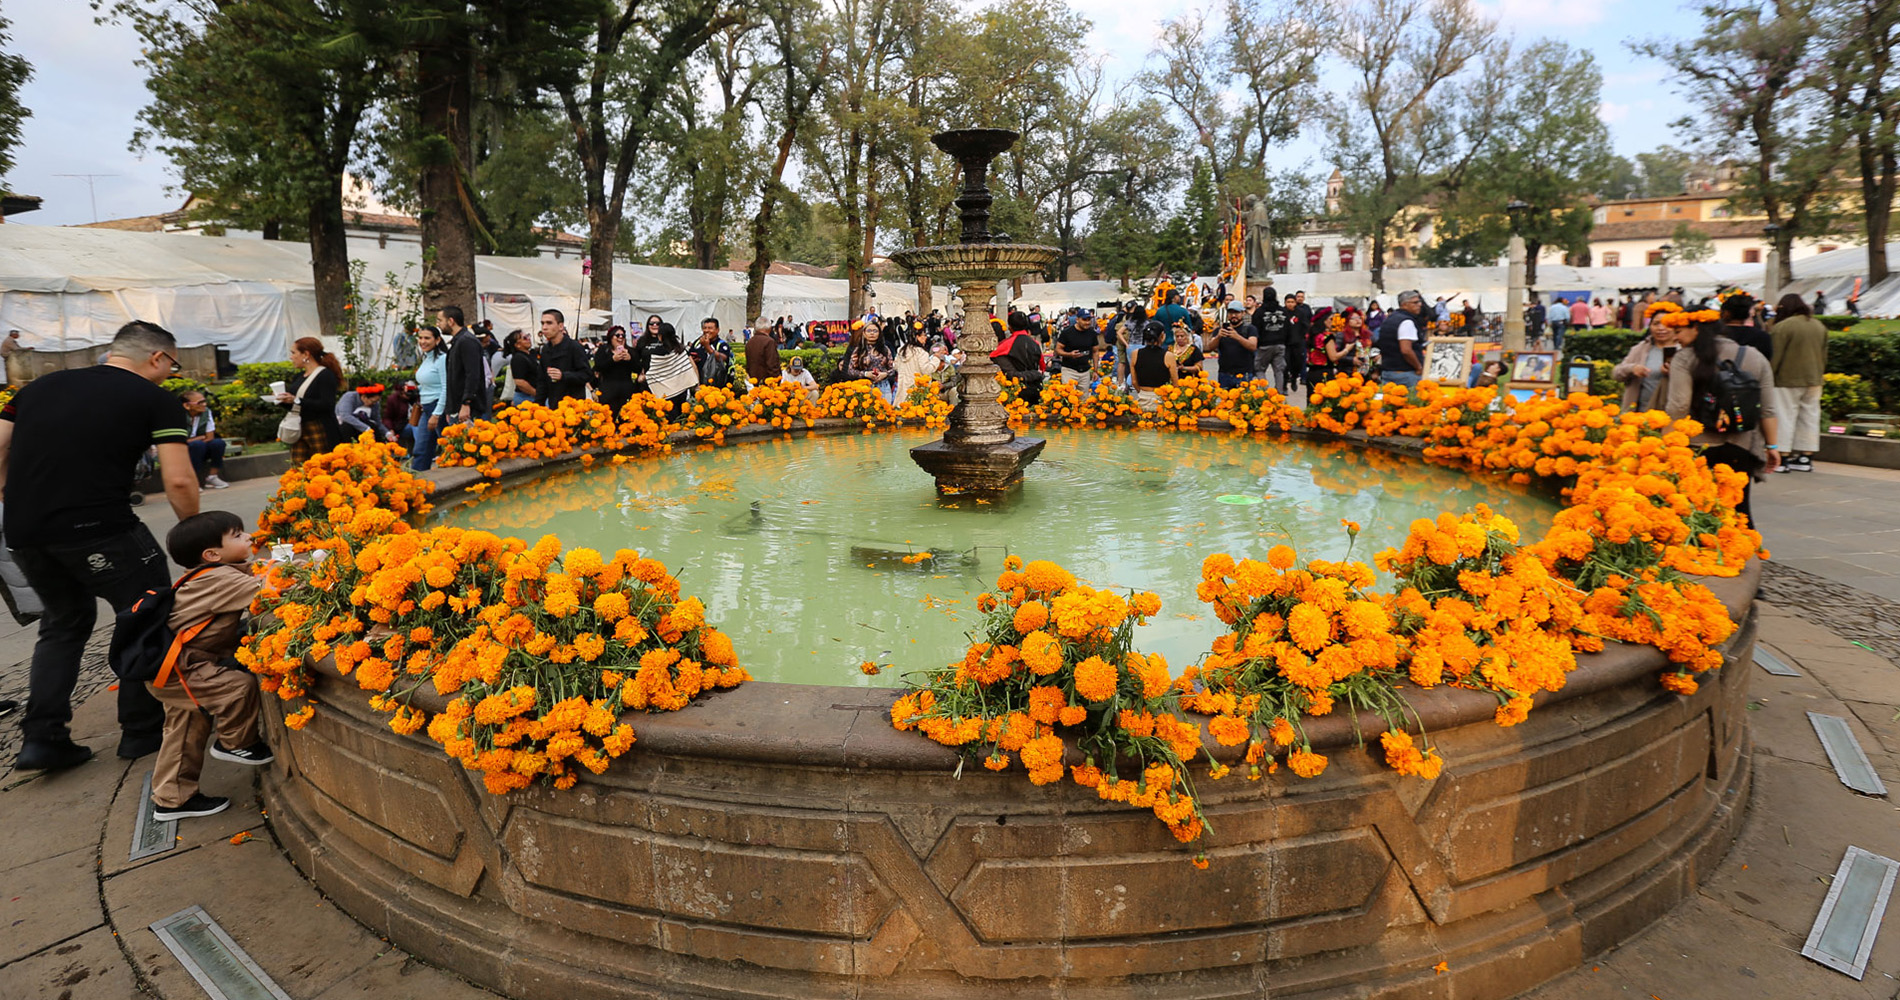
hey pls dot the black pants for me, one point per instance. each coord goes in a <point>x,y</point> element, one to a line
<point>70,580</point>
<point>1741,460</point>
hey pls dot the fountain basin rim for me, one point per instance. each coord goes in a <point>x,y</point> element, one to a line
<point>844,726</point>
<point>975,261</point>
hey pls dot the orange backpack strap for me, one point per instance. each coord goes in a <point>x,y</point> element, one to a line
<point>184,636</point>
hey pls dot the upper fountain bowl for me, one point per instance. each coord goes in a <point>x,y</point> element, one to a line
<point>963,262</point>
<point>969,143</point>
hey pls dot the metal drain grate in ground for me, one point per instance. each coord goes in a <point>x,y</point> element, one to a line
<point>213,959</point>
<point>151,836</point>
<point>1843,934</point>
<point>1768,661</point>
<point>1844,752</point>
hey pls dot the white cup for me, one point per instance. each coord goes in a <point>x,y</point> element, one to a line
<point>276,388</point>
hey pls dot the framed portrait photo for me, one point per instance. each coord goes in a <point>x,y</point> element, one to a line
<point>1577,380</point>
<point>1537,367</point>
<point>1448,360</point>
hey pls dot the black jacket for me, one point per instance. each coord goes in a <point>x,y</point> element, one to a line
<point>571,358</point>
<point>466,375</point>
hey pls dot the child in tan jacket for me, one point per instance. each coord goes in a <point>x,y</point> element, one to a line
<point>218,587</point>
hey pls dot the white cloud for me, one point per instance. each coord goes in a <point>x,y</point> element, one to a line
<point>1612,112</point>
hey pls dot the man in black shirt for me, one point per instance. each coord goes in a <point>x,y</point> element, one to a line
<point>1235,343</point>
<point>1738,324</point>
<point>465,394</point>
<point>564,369</point>
<point>69,443</point>
<point>1079,347</point>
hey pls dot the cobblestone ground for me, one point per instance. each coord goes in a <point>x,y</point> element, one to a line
<point>94,676</point>
<point>1867,619</point>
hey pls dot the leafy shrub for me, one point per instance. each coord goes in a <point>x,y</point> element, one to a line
<point>1602,344</point>
<point>1838,323</point>
<point>1875,358</point>
<point>1845,394</point>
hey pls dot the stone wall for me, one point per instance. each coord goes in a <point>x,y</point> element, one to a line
<point>782,840</point>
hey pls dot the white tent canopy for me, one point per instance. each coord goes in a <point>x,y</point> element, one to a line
<point>68,288</point>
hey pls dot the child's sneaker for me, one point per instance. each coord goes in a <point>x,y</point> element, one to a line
<point>256,755</point>
<point>199,804</point>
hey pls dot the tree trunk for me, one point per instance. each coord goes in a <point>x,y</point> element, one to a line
<point>603,231</point>
<point>1878,173</point>
<point>329,258</point>
<point>273,229</point>
<point>923,295</point>
<point>1378,259</point>
<point>445,100</point>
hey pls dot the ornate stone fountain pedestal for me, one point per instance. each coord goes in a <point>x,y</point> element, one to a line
<point>979,453</point>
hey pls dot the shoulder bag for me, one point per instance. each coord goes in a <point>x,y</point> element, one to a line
<point>290,428</point>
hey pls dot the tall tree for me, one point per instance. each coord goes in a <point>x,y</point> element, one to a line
<point>706,134</point>
<point>1410,120</point>
<point>258,106</point>
<point>1861,38</point>
<point>865,109</point>
<point>14,72</point>
<point>637,50</point>
<point>1188,73</point>
<point>1549,150</point>
<point>1753,73</point>
<point>801,55</point>
<point>1269,59</point>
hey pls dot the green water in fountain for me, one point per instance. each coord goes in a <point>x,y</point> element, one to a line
<point>796,544</point>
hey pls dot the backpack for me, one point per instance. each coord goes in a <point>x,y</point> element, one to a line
<point>144,648</point>
<point>1732,402</point>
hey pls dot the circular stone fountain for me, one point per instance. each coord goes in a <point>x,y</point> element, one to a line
<point>979,452</point>
<point>783,841</point>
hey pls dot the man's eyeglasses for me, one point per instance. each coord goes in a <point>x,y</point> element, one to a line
<point>176,367</point>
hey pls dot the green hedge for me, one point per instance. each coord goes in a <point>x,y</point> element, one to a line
<point>1838,322</point>
<point>1875,357</point>
<point>1602,344</point>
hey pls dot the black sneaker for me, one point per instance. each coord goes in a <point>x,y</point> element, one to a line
<point>256,755</point>
<point>50,756</point>
<point>132,746</point>
<point>8,706</point>
<point>1803,463</point>
<point>199,804</point>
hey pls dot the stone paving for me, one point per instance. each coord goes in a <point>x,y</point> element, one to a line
<point>74,912</point>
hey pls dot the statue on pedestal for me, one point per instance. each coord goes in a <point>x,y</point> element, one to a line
<point>1259,236</point>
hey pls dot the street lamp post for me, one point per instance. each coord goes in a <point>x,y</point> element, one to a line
<point>1662,273</point>
<point>1515,279</point>
<point>1771,277</point>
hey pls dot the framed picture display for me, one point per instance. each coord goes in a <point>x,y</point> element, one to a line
<point>1448,360</point>
<point>1534,368</point>
<point>1577,380</point>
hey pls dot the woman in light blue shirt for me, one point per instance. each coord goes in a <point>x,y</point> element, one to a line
<point>432,381</point>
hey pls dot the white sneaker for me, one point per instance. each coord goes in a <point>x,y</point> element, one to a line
<point>214,483</point>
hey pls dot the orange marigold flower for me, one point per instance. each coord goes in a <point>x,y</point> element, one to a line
<point>1096,679</point>
<point>1031,616</point>
<point>1306,763</point>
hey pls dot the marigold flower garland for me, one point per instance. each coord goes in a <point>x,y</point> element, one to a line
<point>541,650</point>
<point>1053,669</point>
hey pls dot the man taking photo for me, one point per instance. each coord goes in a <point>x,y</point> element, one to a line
<point>69,443</point>
<point>1234,345</point>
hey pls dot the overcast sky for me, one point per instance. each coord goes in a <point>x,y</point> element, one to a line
<point>86,92</point>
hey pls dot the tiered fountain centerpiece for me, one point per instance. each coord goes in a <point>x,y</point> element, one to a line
<point>978,453</point>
